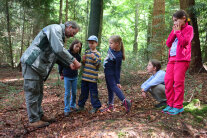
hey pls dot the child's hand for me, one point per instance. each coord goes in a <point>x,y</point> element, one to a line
<point>61,77</point>
<point>177,27</point>
<point>144,95</point>
<point>119,85</point>
<point>92,55</point>
<point>84,58</point>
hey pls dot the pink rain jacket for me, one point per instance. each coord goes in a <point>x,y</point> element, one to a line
<point>184,36</point>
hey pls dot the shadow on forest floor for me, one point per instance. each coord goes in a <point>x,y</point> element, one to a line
<point>143,121</point>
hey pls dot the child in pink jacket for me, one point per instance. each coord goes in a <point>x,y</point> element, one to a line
<point>179,43</point>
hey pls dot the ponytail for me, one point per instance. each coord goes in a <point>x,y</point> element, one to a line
<point>122,50</point>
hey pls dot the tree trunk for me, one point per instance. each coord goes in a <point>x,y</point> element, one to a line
<point>196,65</point>
<point>205,50</point>
<point>149,34</point>
<point>22,41</point>
<point>60,12</point>
<point>135,46</point>
<point>9,34</point>
<point>66,11</point>
<point>158,27</point>
<point>86,24</point>
<point>95,23</point>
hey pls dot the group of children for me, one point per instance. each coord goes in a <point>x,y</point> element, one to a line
<point>91,61</point>
<point>167,88</point>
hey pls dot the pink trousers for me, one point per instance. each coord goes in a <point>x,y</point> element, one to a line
<point>174,82</point>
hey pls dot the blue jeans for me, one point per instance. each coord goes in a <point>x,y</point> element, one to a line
<point>70,82</point>
<point>85,88</point>
<point>113,88</point>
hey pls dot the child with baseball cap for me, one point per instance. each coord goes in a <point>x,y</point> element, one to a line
<point>91,62</point>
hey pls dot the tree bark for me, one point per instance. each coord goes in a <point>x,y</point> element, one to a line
<point>135,46</point>
<point>9,34</point>
<point>158,27</point>
<point>60,11</point>
<point>149,34</point>
<point>95,23</point>
<point>196,64</point>
<point>86,24</point>
<point>205,49</point>
<point>66,11</point>
<point>22,41</point>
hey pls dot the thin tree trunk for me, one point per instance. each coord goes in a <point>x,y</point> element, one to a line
<point>74,14</point>
<point>86,24</point>
<point>22,41</point>
<point>9,34</point>
<point>135,46</point>
<point>205,49</point>
<point>66,11</point>
<point>60,12</point>
<point>149,33</point>
<point>158,27</point>
<point>100,26</point>
<point>196,65</point>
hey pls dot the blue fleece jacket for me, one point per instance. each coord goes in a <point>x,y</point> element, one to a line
<point>112,64</point>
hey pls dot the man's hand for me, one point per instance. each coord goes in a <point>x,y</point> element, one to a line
<point>119,85</point>
<point>72,66</point>
<point>76,64</point>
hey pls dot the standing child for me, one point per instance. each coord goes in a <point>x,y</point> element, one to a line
<point>112,69</point>
<point>179,42</point>
<point>91,61</point>
<point>70,78</point>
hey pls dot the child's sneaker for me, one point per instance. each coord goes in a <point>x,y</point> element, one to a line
<point>166,109</point>
<point>109,108</point>
<point>80,109</point>
<point>175,111</point>
<point>127,104</point>
<point>93,111</point>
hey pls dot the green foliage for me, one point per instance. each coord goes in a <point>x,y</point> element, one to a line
<point>196,109</point>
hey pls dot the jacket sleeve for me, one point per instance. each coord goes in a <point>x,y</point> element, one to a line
<point>153,81</point>
<point>60,68</point>
<point>54,35</point>
<point>185,36</point>
<point>170,39</point>
<point>118,70</point>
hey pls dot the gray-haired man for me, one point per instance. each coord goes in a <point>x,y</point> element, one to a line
<point>37,62</point>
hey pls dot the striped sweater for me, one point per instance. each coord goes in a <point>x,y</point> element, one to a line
<point>91,67</point>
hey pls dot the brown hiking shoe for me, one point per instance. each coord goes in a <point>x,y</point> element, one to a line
<point>47,119</point>
<point>39,124</point>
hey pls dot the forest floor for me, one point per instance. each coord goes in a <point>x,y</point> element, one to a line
<point>144,120</point>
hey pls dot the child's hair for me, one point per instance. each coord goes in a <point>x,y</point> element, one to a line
<point>179,15</point>
<point>156,63</point>
<point>117,38</point>
<point>72,45</point>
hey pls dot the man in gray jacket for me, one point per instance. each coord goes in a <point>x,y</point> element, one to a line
<point>37,62</point>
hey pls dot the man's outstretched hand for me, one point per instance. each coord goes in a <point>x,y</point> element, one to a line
<point>75,65</point>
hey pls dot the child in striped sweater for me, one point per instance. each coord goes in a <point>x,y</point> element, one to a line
<point>91,61</point>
